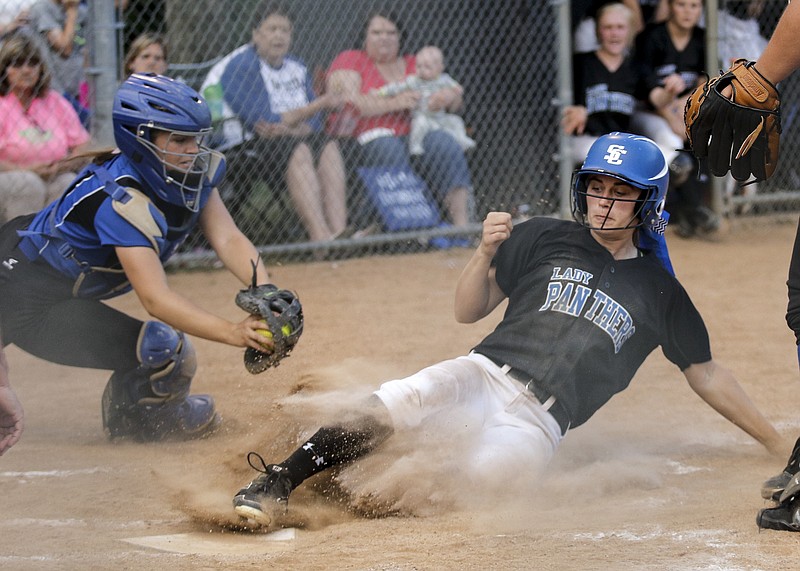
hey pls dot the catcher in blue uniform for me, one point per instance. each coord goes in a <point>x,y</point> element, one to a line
<point>587,303</point>
<point>111,231</point>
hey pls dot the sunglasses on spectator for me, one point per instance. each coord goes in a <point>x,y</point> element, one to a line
<point>30,62</point>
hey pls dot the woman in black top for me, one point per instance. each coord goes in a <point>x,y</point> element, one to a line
<point>606,84</point>
<point>671,58</point>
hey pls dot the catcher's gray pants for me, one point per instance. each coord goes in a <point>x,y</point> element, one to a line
<point>516,434</point>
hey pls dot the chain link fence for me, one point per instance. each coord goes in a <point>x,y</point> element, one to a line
<point>503,54</point>
<point>743,29</point>
<point>507,55</point>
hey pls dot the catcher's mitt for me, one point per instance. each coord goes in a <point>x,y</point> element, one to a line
<point>741,134</point>
<point>282,313</point>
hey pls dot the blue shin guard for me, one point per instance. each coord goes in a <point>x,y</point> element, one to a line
<point>152,402</point>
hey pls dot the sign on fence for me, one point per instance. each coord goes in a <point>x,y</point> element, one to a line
<point>401,198</point>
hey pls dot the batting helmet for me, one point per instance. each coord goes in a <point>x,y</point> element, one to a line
<point>636,161</point>
<point>146,103</point>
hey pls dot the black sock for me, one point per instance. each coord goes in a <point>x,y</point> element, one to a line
<point>331,446</point>
<point>794,460</point>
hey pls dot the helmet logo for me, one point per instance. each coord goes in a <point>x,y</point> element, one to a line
<point>614,156</point>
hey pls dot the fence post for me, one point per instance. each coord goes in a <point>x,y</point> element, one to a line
<point>562,18</point>
<point>102,74</point>
<point>712,65</point>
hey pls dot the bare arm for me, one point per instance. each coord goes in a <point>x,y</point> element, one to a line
<point>719,388</point>
<point>62,39</point>
<point>662,11</point>
<point>782,54</point>
<point>348,84</point>
<point>447,99</point>
<point>574,119</point>
<point>663,96</point>
<point>146,274</point>
<point>235,250</point>
<point>477,292</point>
<point>326,101</point>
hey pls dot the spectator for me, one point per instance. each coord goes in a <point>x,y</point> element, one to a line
<point>14,14</point>
<point>270,91</point>
<point>40,134</point>
<point>671,56</point>
<point>429,79</point>
<point>606,84</point>
<point>383,123</point>
<point>62,25</point>
<point>147,54</point>
<point>584,17</point>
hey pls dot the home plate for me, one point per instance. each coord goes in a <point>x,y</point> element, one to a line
<point>218,543</point>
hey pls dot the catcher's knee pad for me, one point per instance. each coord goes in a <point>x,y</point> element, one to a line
<point>151,402</point>
<point>168,363</point>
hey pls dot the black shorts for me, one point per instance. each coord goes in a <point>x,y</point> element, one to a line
<point>39,314</point>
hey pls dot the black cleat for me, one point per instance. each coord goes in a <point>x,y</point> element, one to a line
<point>266,496</point>
<point>773,488</point>
<point>784,517</point>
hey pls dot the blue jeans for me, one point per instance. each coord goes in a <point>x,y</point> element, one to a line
<point>443,164</point>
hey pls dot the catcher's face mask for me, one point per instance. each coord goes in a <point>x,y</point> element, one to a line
<point>185,161</point>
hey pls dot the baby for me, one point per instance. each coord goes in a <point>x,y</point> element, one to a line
<point>430,78</point>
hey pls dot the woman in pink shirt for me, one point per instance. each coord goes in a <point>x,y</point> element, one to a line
<point>383,123</point>
<point>40,134</point>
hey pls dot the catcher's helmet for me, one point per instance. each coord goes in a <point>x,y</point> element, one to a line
<point>633,159</point>
<point>146,103</point>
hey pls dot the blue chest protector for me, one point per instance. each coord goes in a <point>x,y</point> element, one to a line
<point>103,209</point>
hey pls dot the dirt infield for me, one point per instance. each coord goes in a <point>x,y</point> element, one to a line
<point>656,480</point>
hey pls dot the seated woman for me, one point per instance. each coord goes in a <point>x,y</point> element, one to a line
<point>271,93</point>
<point>383,123</point>
<point>606,84</point>
<point>147,54</point>
<point>40,134</point>
<point>671,56</point>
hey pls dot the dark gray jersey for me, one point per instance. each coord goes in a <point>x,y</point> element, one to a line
<point>580,322</point>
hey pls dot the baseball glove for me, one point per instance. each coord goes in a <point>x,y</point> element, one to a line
<point>282,314</point>
<point>741,134</point>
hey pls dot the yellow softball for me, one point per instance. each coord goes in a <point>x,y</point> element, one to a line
<point>286,330</point>
<point>264,333</point>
